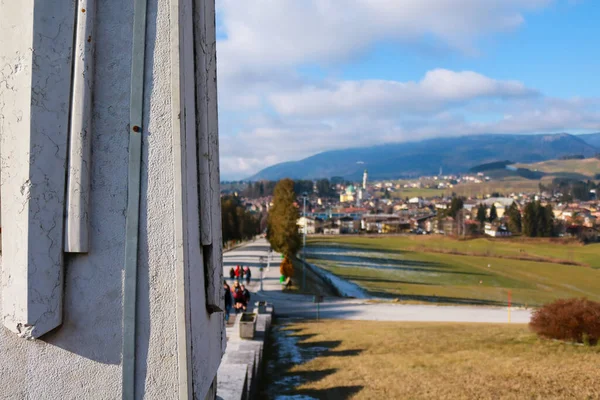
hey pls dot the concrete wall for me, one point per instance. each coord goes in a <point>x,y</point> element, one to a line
<point>81,359</point>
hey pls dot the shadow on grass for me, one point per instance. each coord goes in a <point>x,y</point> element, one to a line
<point>322,346</point>
<point>281,380</point>
<point>313,376</point>
<point>342,353</point>
<point>336,393</point>
<point>303,337</point>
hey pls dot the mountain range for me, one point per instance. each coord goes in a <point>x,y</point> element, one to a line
<point>427,157</point>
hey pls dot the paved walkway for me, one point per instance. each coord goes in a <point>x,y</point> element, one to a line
<point>302,306</point>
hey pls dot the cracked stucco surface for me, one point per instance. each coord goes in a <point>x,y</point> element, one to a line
<point>36,66</point>
<point>82,358</point>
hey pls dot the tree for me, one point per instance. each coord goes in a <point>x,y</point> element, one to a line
<point>514,218</point>
<point>493,213</point>
<point>237,222</point>
<point>538,221</point>
<point>229,219</point>
<point>324,188</point>
<point>286,268</point>
<point>282,228</point>
<point>530,220</point>
<point>456,204</point>
<point>481,214</point>
<point>548,228</point>
<point>302,186</point>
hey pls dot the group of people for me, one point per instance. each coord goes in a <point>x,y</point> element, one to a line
<point>238,273</point>
<point>237,297</point>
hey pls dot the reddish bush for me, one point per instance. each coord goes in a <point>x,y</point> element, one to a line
<point>576,320</point>
<point>286,268</point>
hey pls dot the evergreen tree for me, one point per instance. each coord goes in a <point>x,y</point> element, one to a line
<point>548,227</point>
<point>282,228</point>
<point>456,205</point>
<point>301,186</point>
<point>493,213</point>
<point>514,218</point>
<point>324,188</point>
<point>540,219</point>
<point>530,220</point>
<point>237,223</point>
<point>481,214</point>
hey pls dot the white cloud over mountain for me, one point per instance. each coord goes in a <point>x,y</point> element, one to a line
<point>271,112</point>
<point>437,90</point>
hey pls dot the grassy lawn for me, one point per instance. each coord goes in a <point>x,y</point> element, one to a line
<point>421,268</point>
<point>314,284</point>
<point>391,360</point>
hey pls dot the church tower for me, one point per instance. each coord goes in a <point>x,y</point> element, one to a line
<point>365,176</point>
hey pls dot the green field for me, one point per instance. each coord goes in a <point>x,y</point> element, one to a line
<point>480,271</point>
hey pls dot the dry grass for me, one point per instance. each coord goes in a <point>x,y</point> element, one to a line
<point>391,360</point>
<point>588,167</point>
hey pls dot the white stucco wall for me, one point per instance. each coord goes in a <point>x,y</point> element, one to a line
<point>82,358</point>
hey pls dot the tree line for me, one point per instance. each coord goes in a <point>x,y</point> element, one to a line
<point>536,220</point>
<point>324,188</point>
<point>571,189</point>
<point>238,223</point>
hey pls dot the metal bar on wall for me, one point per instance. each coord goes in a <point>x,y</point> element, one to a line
<point>136,109</point>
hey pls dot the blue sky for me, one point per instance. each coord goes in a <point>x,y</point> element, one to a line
<point>297,77</point>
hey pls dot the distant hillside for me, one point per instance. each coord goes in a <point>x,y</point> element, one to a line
<point>575,169</point>
<point>592,138</point>
<point>453,155</point>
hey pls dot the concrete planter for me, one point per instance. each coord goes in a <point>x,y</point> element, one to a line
<point>261,307</point>
<point>247,325</point>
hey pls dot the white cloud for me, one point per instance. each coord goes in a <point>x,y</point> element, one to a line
<point>276,34</point>
<point>439,89</point>
<point>275,113</point>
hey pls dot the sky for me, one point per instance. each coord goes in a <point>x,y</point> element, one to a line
<point>298,77</point>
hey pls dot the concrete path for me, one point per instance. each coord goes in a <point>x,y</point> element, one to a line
<point>302,306</point>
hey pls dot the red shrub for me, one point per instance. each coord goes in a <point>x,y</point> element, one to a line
<point>286,268</point>
<point>576,320</point>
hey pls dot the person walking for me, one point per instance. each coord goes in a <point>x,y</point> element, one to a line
<point>246,297</point>
<point>237,272</point>
<point>238,298</point>
<point>232,274</point>
<point>228,300</point>
<point>248,275</point>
